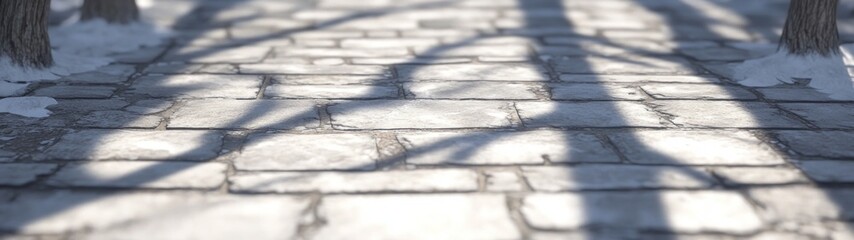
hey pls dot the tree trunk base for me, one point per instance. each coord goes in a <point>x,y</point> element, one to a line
<point>112,11</point>
<point>23,32</point>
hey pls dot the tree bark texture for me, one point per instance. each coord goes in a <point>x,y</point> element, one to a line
<point>112,11</point>
<point>811,28</point>
<point>23,32</point>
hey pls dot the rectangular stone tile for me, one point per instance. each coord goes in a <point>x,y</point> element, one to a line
<point>472,51</point>
<point>340,52</point>
<point>829,171</point>
<point>602,177</point>
<point>587,114</point>
<point>828,144</point>
<point>473,72</point>
<point>65,91</point>
<point>623,64</point>
<point>596,92</point>
<point>246,114</point>
<point>745,176</point>
<point>801,94</point>
<point>803,203</point>
<point>136,175</point>
<point>308,152</point>
<point>407,60</point>
<point>118,119</point>
<point>387,42</point>
<point>670,211</point>
<point>672,91</point>
<point>155,215</point>
<point>417,217</point>
<point>824,115</point>
<point>503,181</point>
<point>431,180</point>
<point>331,79</point>
<point>332,91</point>
<point>701,147</point>
<point>217,55</point>
<point>19,174</point>
<point>501,148</point>
<point>726,114</point>
<point>271,69</point>
<point>137,145</point>
<point>197,86</point>
<point>471,90</point>
<point>401,114</point>
<point>595,78</point>
<point>114,73</point>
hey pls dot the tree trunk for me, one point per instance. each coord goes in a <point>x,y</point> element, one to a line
<point>811,28</point>
<point>112,11</point>
<point>23,32</point>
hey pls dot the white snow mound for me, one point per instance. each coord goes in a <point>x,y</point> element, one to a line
<point>64,65</point>
<point>8,89</point>
<point>34,107</point>
<point>99,38</point>
<point>827,74</point>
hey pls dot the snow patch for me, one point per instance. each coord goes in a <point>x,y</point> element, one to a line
<point>99,38</point>
<point>827,74</point>
<point>34,107</point>
<point>64,65</point>
<point>8,89</point>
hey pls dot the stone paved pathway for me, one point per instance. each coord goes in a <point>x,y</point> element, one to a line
<point>434,119</point>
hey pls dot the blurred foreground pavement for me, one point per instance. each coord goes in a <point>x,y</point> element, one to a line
<point>435,119</point>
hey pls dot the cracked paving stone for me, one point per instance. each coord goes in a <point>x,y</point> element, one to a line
<point>138,175</point>
<point>435,216</point>
<point>136,145</point>
<point>488,148</point>
<point>803,203</point>
<point>198,86</point>
<point>470,90</point>
<point>76,91</point>
<point>154,215</point>
<point>744,176</point>
<point>308,152</point>
<point>587,114</point>
<point>703,147</point>
<point>824,115</point>
<point>332,91</point>
<point>403,114</point>
<point>829,171</point>
<point>267,68</point>
<point>672,91</point>
<point>595,92</point>
<point>726,114</point>
<point>118,119</point>
<point>671,211</point>
<point>430,180</point>
<point>245,114</point>
<point>473,72</point>
<point>601,177</point>
<point>830,144</point>
<point>19,174</point>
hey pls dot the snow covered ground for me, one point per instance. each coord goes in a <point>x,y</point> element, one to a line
<point>831,75</point>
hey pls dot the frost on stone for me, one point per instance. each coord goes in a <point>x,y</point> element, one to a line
<point>827,74</point>
<point>27,106</point>
<point>99,38</point>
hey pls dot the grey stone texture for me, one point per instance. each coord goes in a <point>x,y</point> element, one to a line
<point>587,114</point>
<point>245,114</point>
<point>401,114</point>
<point>198,86</point>
<point>141,174</point>
<point>301,152</point>
<point>610,177</point>
<point>438,180</point>
<point>19,174</point>
<point>179,145</point>
<point>695,148</point>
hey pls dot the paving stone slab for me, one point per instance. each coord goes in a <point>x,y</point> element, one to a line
<point>726,114</point>
<point>824,115</point>
<point>270,68</point>
<point>604,177</point>
<point>331,79</point>
<point>670,211</point>
<point>623,64</point>
<point>804,94</point>
<point>438,180</point>
<point>308,152</point>
<point>118,119</point>
<point>19,174</point>
<point>407,60</point>
<point>595,78</point>
<point>803,203</point>
<point>245,114</point>
<point>86,105</point>
<point>332,91</point>
<point>64,91</point>
<point>136,145</point>
<point>198,86</point>
<point>416,217</point>
<point>155,215</point>
<point>472,51</point>
<point>699,147</point>
<point>340,52</point>
<point>387,42</point>
<point>470,90</point>
<point>473,72</point>
<point>503,181</point>
<point>587,114</point>
<point>501,148</point>
<point>745,176</point>
<point>672,91</point>
<point>595,92</point>
<point>115,73</point>
<point>149,106</point>
<point>401,114</point>
<point>829,171</point>
<point>138,175</point>
<point>246,54</point>
<point>173,68</point>
<point>830,144</point>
